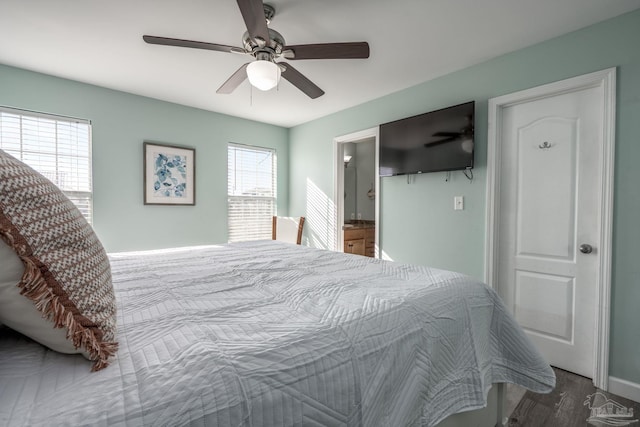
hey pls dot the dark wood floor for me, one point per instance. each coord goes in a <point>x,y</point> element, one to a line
<point>568,405</point>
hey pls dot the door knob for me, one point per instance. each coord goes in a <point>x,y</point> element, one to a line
<point>586,248</point>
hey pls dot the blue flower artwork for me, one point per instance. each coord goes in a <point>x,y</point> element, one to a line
<point>170,175</point>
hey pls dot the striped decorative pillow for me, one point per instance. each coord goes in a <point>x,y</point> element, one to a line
<point>66,270</point>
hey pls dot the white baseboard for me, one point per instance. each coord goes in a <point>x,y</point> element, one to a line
<point>624,388</point>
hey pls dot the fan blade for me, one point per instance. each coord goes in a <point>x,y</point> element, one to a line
<point>253,14</point>
<point>449,134</point>
<point>350,50</point>
<point>165,41</point>
<point>234,81</point>
<point>440,141</point>
<point>301,82</point>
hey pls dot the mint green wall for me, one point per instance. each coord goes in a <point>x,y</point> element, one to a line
<point>120,124</point>
<point>418,224</point>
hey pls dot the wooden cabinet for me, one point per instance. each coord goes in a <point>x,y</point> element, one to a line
<point>370,242</point>
<point>359,241</point>
<point>354,246</point>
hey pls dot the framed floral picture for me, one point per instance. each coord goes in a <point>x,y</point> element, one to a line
<point>169,175</point>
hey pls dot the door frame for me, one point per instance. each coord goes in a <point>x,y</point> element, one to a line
<point>606,80</point>
<point>338,189</point>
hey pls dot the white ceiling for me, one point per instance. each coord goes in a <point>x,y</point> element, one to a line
<point>412,41</point>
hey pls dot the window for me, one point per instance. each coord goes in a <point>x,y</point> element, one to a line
<point>251,192</point>
<point>57,147</point>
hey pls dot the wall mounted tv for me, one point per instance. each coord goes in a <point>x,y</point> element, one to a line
<point>437,141</point>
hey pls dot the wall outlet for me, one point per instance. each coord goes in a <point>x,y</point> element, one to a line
<point>458,203</point>
<point>353,216</point>
<point>359,215</point>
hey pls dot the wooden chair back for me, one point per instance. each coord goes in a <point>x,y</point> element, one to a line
<point>287,229</point>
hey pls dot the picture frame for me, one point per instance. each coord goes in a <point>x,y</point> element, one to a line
<point>169,173</point>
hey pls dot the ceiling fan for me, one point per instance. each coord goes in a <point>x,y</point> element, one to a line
<point>464,133</point>
<point>267,46</point>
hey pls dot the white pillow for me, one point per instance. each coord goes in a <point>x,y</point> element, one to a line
<point>20,314</point>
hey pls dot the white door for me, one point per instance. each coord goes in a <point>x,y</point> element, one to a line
<point>549,209</point>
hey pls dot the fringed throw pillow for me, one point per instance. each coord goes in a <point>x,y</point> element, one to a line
<point>66,274</point>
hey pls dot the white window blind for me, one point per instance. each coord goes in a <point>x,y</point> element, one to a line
<point>57,147</point>
<point>251,192</point>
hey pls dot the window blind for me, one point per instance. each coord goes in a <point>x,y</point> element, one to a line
<point>251,192</point>
<point>57,147</point>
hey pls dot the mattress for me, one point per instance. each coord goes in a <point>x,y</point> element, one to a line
<point>272,334</point>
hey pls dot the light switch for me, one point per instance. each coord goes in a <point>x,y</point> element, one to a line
<point>458,203</point>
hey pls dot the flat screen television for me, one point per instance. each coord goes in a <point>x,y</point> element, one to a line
<point>437,141</point>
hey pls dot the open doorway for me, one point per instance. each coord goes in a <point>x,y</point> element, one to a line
<point>356,193</point>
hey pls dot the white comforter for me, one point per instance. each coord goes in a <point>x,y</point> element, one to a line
<point>272,334</point>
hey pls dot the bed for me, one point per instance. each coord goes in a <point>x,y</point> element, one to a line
<point>273,334</point>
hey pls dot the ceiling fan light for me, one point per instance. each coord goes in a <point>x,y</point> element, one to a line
<point>467,145</point>
<point>263,75</point>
